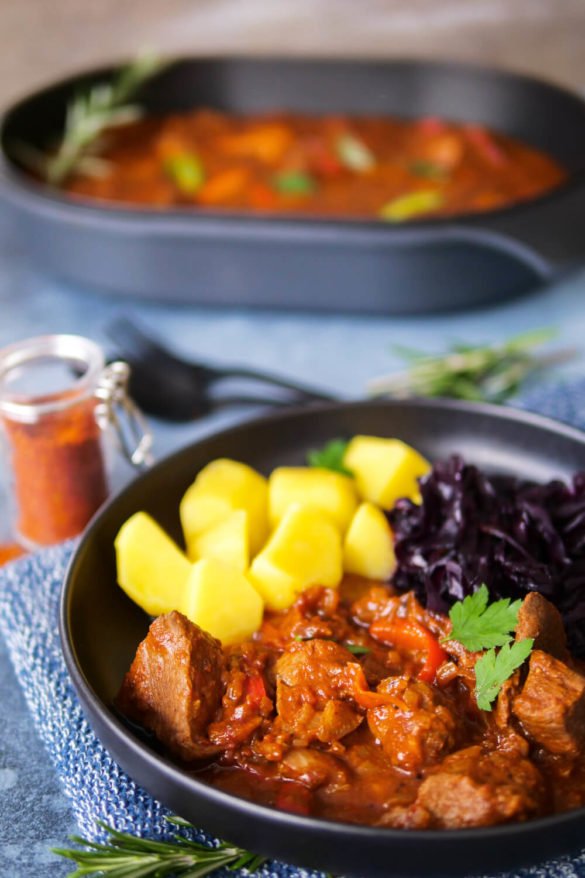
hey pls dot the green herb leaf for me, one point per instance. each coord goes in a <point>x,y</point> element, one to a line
<point>128,856</point>
<point>356,649</point>
<point>490,373</point>
<point>186,171</point>
<point>330,457</point>
<point>429,170</point>
<point>294,183</point>
<point>494,668</point>
<point>411,205</point>
<point>354,154</point>
<point>478,626</point>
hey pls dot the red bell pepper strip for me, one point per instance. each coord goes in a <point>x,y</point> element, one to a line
<point>485,145</point>
<point>410,635</point>
<point>255,689</point>
<point>431,125</point>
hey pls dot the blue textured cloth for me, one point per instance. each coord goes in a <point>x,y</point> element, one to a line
<point>96,786</point>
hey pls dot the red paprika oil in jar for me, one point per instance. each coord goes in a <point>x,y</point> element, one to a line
<point>53,442</point>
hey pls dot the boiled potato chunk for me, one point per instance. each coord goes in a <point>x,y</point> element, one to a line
<point>331,492</point>
<point>368,549</point>
<point>222,486</point>
<point>151,568</point>
<point>221,600</point>
<point>385,469</point>
<point>304,550</point>
<point>227,541</point>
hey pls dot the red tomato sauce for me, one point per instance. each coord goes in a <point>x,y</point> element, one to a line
<point>384,168</point>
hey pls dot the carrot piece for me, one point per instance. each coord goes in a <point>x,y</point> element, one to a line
<point>267,142</point>
<point>262,197</point>
<point>223,186</point>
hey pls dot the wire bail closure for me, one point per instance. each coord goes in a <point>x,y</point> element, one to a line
<point>116,408</point>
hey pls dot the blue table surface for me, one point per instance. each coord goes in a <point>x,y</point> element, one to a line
<point>338,352</point>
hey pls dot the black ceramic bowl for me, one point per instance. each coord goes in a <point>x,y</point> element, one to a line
<point>101,627</point>
<point>298,263</point>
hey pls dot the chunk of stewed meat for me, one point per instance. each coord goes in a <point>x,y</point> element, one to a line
<point>246,705</point>
<point>479,788</point>
<point>551,705</point>
<point>508,735</point>
<point>415,726</point>
<point>377,602</point>
<point>316,614</point>
<point>173,687</point>
<point>314,769</point>
<point>314,687</point>
<point>539,619</point>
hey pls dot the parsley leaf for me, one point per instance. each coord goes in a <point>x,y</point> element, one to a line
<point>478,626</point>
<point>494,668</point>
<point>294,183</point>
<point>356,649</point>
<point>330,456</point>
<point>430,170</point>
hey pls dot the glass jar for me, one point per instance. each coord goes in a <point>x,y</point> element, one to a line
<point>57,397</point>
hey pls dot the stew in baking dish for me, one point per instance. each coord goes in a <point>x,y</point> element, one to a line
<point>384,168</point>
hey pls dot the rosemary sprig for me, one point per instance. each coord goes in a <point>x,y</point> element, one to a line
<point>103,106</point>
<point>128,856</point>
<point>489,373</point>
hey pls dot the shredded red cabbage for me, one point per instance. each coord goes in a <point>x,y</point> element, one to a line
<point>515,537</point>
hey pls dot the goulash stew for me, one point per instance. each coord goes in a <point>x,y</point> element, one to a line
<point>399,649</point>
<point>383,168</point>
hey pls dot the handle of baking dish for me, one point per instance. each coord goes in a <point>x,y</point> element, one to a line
<point>545,235</point>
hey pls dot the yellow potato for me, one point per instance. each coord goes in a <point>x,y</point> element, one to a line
<point>385,469</point>
<point>222,486</point>
<point>221,600</point>
<point>227,541</point>
<point>368,549</point>
<point>151,568</point>
<point>331,492</point>
<point>304,550</point>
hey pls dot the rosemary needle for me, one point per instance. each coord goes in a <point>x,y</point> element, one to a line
<point>128,856</point>
<point>88,115</point>
<point>489,373</point>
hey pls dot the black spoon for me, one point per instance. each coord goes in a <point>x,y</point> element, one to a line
<point>171,388</point>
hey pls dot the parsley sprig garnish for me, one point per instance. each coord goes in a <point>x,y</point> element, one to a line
<point>477,626</point>
<point>357,649</point>
<point>494,668</point>
<point>128,856</point>
<point>330,456</point>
